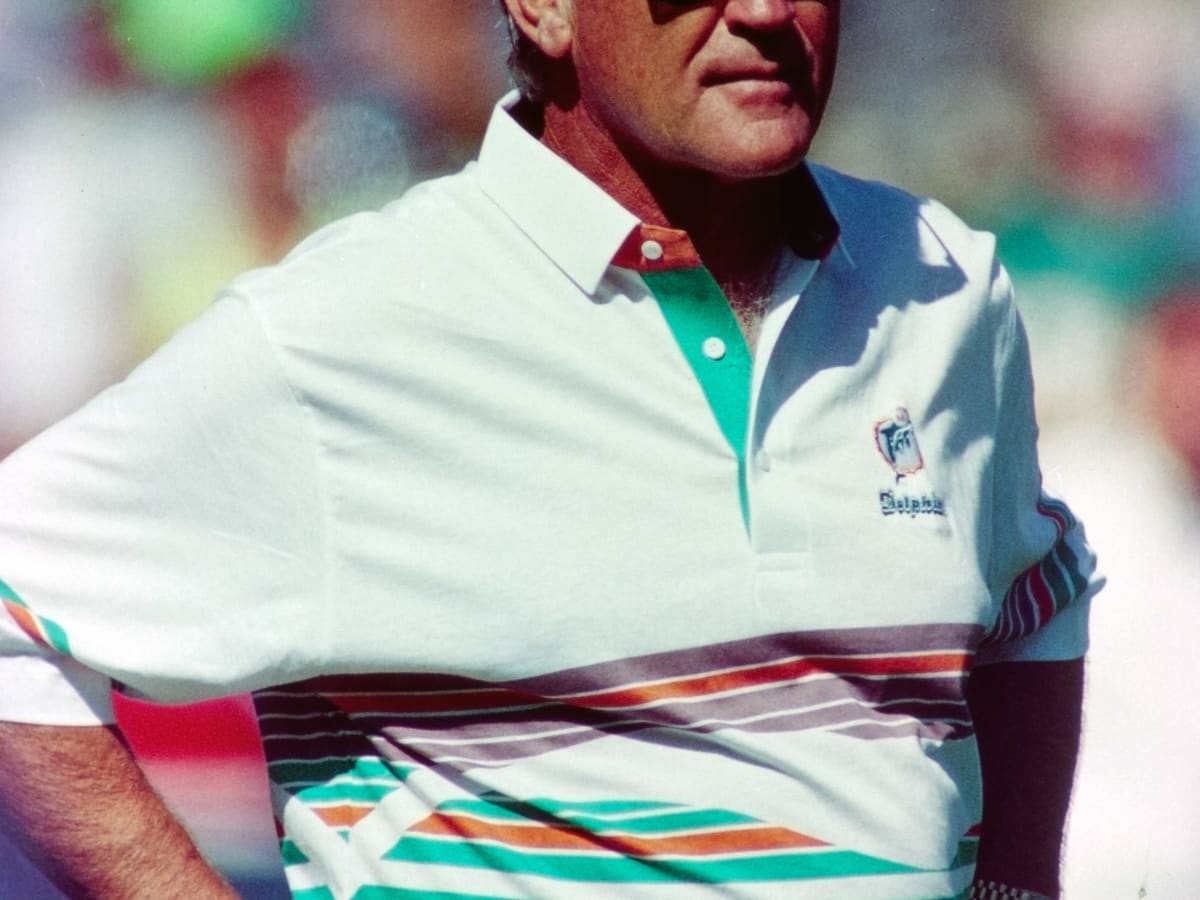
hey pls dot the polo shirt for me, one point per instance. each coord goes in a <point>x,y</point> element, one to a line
<point>547,585</point>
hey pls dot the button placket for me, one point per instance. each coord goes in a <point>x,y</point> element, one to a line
<point>707,332</point>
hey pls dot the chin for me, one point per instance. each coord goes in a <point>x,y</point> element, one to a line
<point>757,162</point>
<point>758,150</point>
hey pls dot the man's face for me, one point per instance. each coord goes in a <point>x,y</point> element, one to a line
<point>731,87</point>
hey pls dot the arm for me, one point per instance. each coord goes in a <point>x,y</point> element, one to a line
<point>1027,719</point>
<point>76,802</point>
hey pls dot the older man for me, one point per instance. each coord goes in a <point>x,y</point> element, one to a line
<point>641,513</point>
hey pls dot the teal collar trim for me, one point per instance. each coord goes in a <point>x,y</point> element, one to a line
<point>707,332</point>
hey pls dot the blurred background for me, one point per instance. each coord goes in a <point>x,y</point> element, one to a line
<point>151,149</point>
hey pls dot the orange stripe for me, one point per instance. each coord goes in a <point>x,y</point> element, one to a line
<point>546,837</point>
<point>488,699</point>
<point>27,621</point>
<point>949,663</point>
<point>342,816</point>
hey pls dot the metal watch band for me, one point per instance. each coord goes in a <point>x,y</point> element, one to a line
<point>992,890</point>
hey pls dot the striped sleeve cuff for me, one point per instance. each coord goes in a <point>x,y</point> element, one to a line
<point>1043,613</point>
<point>1063,637</point>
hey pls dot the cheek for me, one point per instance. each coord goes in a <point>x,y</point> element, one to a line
<point>611,40</point>
<point>633,94</point>
<point>819,23</point>
<point>604,70</point>
<point>617,99</point>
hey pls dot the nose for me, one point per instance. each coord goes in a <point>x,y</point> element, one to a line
<point>761,15</point>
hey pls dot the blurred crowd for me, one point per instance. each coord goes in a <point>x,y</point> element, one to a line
<point>151,149</point>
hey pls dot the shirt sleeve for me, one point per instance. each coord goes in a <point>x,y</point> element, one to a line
<point>1043,573</point>
<point>168,537</point>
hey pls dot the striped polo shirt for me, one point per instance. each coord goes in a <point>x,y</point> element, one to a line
<point>545,583</point>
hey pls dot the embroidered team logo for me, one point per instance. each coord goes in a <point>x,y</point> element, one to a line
<point>897,442</point>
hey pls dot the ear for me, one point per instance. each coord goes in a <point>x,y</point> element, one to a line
<point>547,23</point>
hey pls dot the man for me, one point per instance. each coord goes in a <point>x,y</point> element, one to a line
<point>620,518</point>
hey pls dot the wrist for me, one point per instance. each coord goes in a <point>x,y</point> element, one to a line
<point>994,890</point>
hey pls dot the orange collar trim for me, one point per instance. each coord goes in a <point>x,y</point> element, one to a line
<point>655,248</point>
<point>814,234</point>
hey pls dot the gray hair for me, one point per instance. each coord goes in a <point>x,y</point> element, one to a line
<point>526,62</point>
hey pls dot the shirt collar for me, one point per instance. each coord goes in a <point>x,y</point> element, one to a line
<point>584,230</point>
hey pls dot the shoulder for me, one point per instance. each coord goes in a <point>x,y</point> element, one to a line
<point>884,225</point>
<point>374,257</point>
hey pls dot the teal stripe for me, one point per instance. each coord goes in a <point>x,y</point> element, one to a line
<point>52,631</point>
<point>393,893</point>
<point>56,636</point>
<point>379,892</point>
<point>347,792</point>
<point>295,774</point>
<point>615,869</point>
<point>654,820</point>
<point>567,807</point>
<point>1055,507</point>
<point>646,825</point>
<point>7,593</point>
<point>318,893</point>
<point>303,775</point>
<point>696,309</point>
<point>1071,563</point>
<point>1056,581</point>
<point>291,854</point>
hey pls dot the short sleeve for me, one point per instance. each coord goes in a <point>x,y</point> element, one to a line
<point>168,537</point>
<point>1043,573</point>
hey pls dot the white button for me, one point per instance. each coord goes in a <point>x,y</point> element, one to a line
<point>762,461</point>
<point>652,250</point>
<point>714,348</point>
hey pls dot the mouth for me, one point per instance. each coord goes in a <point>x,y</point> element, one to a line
<point>756,85</point>
<point>777,74</point>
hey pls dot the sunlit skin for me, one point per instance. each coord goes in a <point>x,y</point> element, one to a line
<point>687,112</point>
<point>735,88</point>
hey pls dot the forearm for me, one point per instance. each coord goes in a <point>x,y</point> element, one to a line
<point>76,801</point>
<point>1027,718</point>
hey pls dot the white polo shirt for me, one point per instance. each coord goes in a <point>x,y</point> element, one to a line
<point>546,585</point>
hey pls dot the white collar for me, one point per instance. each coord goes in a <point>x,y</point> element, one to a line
<point>575,222</point>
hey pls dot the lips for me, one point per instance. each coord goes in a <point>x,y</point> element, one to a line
<point>749,73</point>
